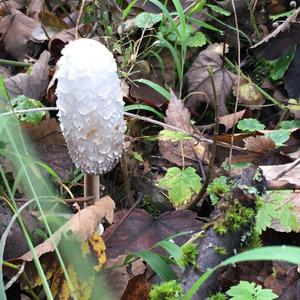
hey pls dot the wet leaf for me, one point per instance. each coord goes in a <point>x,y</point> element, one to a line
<point>198,80</point>
<point>179,116</point>
<point>141,230</point>
<point>82,225</point>
<point>259,144</point>
<point>16,30</point>
<point>32,85</point>
<point>250,125</point>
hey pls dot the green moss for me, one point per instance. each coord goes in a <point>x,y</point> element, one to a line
<point>236,217</point>
<point>220,250</point>
<point>218,296</point>
<point>169,290</point>
<point>190,252</point>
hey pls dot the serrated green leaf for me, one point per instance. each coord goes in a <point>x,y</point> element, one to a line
<point>265,294</point>
<point>250,125</point>
<point>250,291</point>
<point>219,10</point>
<point>287,217</point>
<point>171,135</point>
<point>264,217</point>
<point>180,184</point>
<point>196,40</point>
<point>147,20</point>
<point>242,291</point>
<point>279,136</point>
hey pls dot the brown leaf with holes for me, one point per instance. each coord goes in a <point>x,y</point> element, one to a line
<point>259,144</point>
<point>32,85</point>
<point>16,31</point>
<point>83,225</point>
<point>186,152</point>
<point>199,83</point>
<point>141,230</point>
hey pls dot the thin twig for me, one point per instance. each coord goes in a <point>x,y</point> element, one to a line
<point>142,118</point>
<point>78,19</point>
<point>124,218</point>
<point>130,201</point>
<point>288,168</point>
<point>238,80</point>
<point>199,196</point>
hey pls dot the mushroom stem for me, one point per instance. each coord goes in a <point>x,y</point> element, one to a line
<point>92,186</point>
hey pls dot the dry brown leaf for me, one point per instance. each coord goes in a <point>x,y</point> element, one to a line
<point>16,30</point>
<point>191,150</point>
<point>292,177</point>
<point>118,278</point>
<point>199,82</point>
<point>83,225</point>
<point>32,85</point>
<point>259,144</point>
<point>230,121</point>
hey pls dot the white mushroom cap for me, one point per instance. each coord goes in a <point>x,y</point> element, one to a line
<point>90,105</point>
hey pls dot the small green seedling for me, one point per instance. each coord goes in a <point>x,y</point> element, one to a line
<point>169,290</point>
<point>250,291</point>
<point>180,184</point>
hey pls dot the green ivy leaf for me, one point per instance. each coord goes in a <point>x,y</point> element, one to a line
<point>250,125</point>
<point>290,124</point>
<point>147,20</point>
<point>279,136</point>
<point>197,40</point>
<point>180,184</point>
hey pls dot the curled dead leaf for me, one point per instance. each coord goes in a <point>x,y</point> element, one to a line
<point>32,85</point>
<point>83,225</point>
<point>259,144</point>
<point>199,84</point>
<point>16,31</point>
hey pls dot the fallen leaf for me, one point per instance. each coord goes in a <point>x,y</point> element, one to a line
<point>292,177</point>
<point>187,152</point>
<point>259,144</point>
<point>141,231</point>
<point>230,120</point>
<point>32,85</point>
<point>16,30</point>
<point>199,83</point>
<point>82,225</point>
<point>118,278</point>
<point>137,289</point>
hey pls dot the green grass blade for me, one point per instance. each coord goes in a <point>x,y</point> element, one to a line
<point>156,87</point>
<point>174,250</point>
<point>144,107</point>
<point>161,268</point>
<point>2,245</point>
